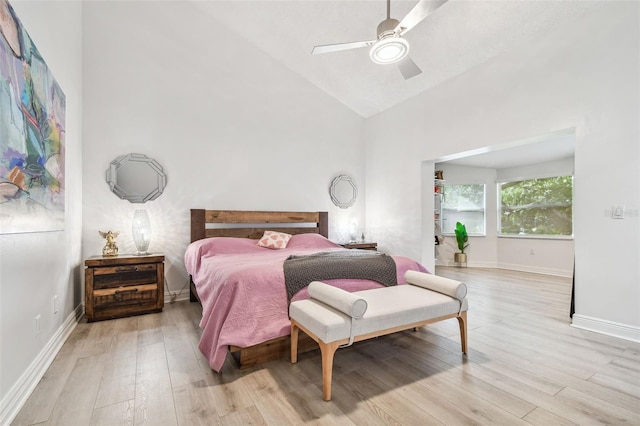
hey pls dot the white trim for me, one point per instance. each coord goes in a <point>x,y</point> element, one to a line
<point>179,295</point>
<point>512,144</point>
<point>476,264</point>
<point>567,273</point>
<point>24,386</point>
<point>537,237</point>
<point>532,176</point>
<point>480,264</point>
<point>511,267</point>
<point>610,328</point>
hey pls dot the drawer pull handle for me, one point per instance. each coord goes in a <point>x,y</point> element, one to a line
<point>132,290</point>
<point>127,269</point>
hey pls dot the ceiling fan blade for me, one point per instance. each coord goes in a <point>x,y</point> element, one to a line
<point>420,11</point>
<point>408,68</point>
<point>328,48</point>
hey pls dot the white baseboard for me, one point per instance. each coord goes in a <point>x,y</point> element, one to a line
<point>179,295</point>
<point>482,265</point>
<point>610,328</point>
<point>24,386</point>
<point>469,265</point>
<point>537,269</point>
<point>511,267</point>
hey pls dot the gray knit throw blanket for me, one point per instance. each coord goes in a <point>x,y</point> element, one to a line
<point>300,271</point>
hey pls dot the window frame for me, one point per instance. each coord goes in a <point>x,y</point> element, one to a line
<point>484,210</point>
<point>499,232</point>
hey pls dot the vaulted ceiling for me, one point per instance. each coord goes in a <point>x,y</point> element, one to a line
<point>456,37</point>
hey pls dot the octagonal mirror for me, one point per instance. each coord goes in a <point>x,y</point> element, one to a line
<point>343,191</point>
<point>136,178</point>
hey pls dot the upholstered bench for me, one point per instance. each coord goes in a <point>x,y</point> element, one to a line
<point>336,318</point>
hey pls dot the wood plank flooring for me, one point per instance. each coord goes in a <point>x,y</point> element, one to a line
<point>525,365</point>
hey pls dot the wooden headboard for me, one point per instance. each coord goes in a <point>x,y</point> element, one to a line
<point>257,222</point>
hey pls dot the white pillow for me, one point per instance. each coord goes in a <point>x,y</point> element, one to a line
<point>274,240</point>
<point>338,298</point>
<point>442,285</point>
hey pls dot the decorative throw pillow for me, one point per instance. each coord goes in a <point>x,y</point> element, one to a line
<point>274,240</point>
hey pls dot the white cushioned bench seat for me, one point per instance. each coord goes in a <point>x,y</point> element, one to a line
<point>387,307</point>
<point>335,318</point>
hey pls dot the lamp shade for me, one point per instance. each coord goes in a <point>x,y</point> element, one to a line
<point>141,228</point>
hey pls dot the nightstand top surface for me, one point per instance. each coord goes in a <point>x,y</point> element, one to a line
<point>359,244</point>
<point>123,259</point>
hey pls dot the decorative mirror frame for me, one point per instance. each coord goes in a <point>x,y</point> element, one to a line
<point>340,181</point>
<point>154,167</point>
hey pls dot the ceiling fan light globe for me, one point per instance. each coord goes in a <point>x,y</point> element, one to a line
<point>389,50</point>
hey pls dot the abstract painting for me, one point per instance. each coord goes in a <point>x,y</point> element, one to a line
<point>32,134</point>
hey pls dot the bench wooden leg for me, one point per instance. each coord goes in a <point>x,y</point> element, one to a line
<point>294,342</point>
<point>462,322</point>
<point>328,350</point>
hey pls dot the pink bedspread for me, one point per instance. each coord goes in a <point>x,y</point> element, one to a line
<point>241,287</point>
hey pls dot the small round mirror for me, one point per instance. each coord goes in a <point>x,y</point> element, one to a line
<point>343,191</point>
<point>136,178</point>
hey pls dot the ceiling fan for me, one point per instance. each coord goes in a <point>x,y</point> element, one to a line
<point>390,47</point>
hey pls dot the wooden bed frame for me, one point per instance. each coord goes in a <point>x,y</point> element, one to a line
<point>252,224</point>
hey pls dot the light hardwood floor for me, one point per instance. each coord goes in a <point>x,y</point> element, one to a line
<point>525,366</point>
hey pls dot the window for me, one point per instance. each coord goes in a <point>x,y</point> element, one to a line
<point>536,206</point>
<point>465,204</point>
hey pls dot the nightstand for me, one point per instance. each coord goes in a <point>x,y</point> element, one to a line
<point>123,285</point>
<point>361,246</point>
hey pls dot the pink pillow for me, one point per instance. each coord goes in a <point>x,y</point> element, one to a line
<point>274,240</point>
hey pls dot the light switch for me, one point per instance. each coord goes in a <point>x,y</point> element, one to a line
<point>617,212</point>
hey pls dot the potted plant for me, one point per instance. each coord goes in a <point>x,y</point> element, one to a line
<point>462,238</point>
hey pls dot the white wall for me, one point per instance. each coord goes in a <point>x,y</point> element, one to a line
<point>213,121</point>
<point>233,128</point>
<point>36,266</point>
<point>584,75</point>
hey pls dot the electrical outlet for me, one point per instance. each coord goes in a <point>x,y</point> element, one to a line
<point>37,331</point>
<point>55,304</point>
<point>531,252</point>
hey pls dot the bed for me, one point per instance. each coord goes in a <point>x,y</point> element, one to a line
<point>241,285</point>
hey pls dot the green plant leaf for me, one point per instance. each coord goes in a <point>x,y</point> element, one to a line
<point>461,236</point>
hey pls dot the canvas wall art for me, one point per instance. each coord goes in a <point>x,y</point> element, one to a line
<point>32,134</point>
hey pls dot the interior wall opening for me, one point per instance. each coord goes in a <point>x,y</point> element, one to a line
<point>548,155</point>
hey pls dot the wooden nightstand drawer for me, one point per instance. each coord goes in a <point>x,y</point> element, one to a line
<point>125,296</point>
<point>125,269</point>
<point>123,285</point>
<point>117,276</point>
